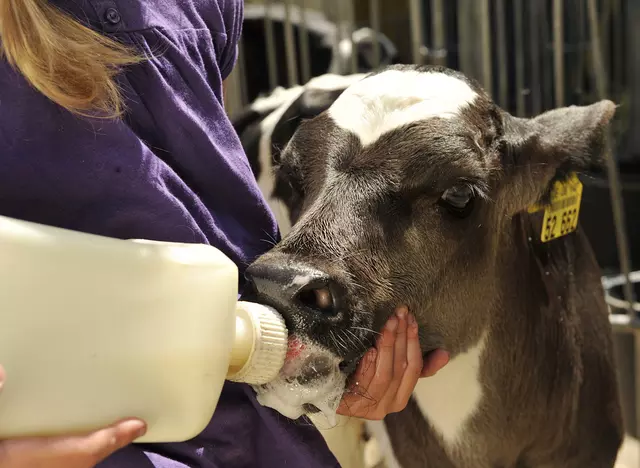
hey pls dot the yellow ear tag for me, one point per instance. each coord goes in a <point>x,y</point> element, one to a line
<point>561,214</point>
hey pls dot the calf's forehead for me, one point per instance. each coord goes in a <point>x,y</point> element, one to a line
<point>392,99</point>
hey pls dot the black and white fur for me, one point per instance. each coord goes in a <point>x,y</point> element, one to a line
<point>268,123</point>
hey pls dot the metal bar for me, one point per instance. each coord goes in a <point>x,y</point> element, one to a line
<point>570,50</point>
<point>459,46</point>
<point>620,323</point>
<point>617,204</point>
<point>605,33</point>
<point>468,33</point>
<point>615,188</point>
<point>290,46</point>
<point>503,85</point>
<point>579,68</point>
<point>536,103</point>
<point>546,55</point>
<point>596,49</point>
<point>374,19</point>
<point>618,41</point>
<point>233,101</point>
<point>338,5</point>
<point>417,33</point>
<point>304,43</point>
<point>242,73</point>
<point>520,91</point>
<point>485,32</point>
<point>462,20</point>
<point>439,34</point>
<point>632,75</point>
<point>636,345</point>
<point>270,43</point>
<point>350,27</point>
<point>558,50</point>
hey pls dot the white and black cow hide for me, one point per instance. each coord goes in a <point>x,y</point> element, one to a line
<point>267,125</point>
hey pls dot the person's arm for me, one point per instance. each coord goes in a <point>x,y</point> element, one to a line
<point>92,176</point>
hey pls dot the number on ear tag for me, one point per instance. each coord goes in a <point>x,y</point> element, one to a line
<point>561,214</point>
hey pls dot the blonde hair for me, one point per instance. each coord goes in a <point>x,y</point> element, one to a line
<point>69,63</point>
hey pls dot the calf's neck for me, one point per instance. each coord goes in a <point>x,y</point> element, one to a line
<point>413,188</point>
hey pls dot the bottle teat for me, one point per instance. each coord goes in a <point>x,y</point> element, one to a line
<point>260,344</point>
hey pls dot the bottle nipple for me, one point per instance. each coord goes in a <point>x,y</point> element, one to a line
<point>260,344</point>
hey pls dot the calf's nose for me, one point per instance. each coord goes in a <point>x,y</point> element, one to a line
<point>294,287</point>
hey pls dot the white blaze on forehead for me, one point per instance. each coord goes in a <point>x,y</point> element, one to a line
<point>391,99</point>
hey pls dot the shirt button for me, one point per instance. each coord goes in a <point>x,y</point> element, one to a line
<point>112,15</point>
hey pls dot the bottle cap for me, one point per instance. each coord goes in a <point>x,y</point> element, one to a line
<point>270,343</point>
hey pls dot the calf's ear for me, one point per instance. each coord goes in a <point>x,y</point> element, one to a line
<point>548,147</point>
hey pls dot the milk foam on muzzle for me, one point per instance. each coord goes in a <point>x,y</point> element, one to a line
<point>311,376</point>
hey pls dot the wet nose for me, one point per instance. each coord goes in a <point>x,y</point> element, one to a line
<point>295,287</point>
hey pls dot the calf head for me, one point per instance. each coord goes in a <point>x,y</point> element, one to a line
<point>406,187</point>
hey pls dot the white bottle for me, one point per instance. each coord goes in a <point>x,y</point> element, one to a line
<point>94,329</point>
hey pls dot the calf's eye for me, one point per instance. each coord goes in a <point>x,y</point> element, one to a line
<point>458,199</point>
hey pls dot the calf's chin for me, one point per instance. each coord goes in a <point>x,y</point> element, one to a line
<point>412,189</point>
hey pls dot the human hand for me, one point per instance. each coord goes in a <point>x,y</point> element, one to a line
<point>72,451</point>
<point>387,374</point>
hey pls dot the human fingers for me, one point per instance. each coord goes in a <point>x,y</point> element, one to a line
<point>434,361</point>
<point>371,390</point>
<point>384,362</point>
<point>356,396</point>
<point>413,369</point>
<point>75,451</point>
<point>400,348</point>
<point>388,398</point>
<point>368,404</point>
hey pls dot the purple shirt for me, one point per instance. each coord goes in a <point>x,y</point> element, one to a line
<point>173,170</point>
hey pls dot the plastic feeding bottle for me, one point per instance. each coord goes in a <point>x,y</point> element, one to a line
<point>94,329</point>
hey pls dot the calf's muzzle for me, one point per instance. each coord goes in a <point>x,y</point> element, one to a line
<point>296,288</point>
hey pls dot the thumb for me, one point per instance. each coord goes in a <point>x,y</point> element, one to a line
<point>98,445</point>
<point>433,362</point>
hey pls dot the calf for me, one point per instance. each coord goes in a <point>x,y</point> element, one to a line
<point>414,188</point>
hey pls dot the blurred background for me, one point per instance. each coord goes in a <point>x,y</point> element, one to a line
<point>531,56</point>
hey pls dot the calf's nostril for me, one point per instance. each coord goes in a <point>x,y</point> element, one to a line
<point>320,299</point>
<point>293,287</point>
